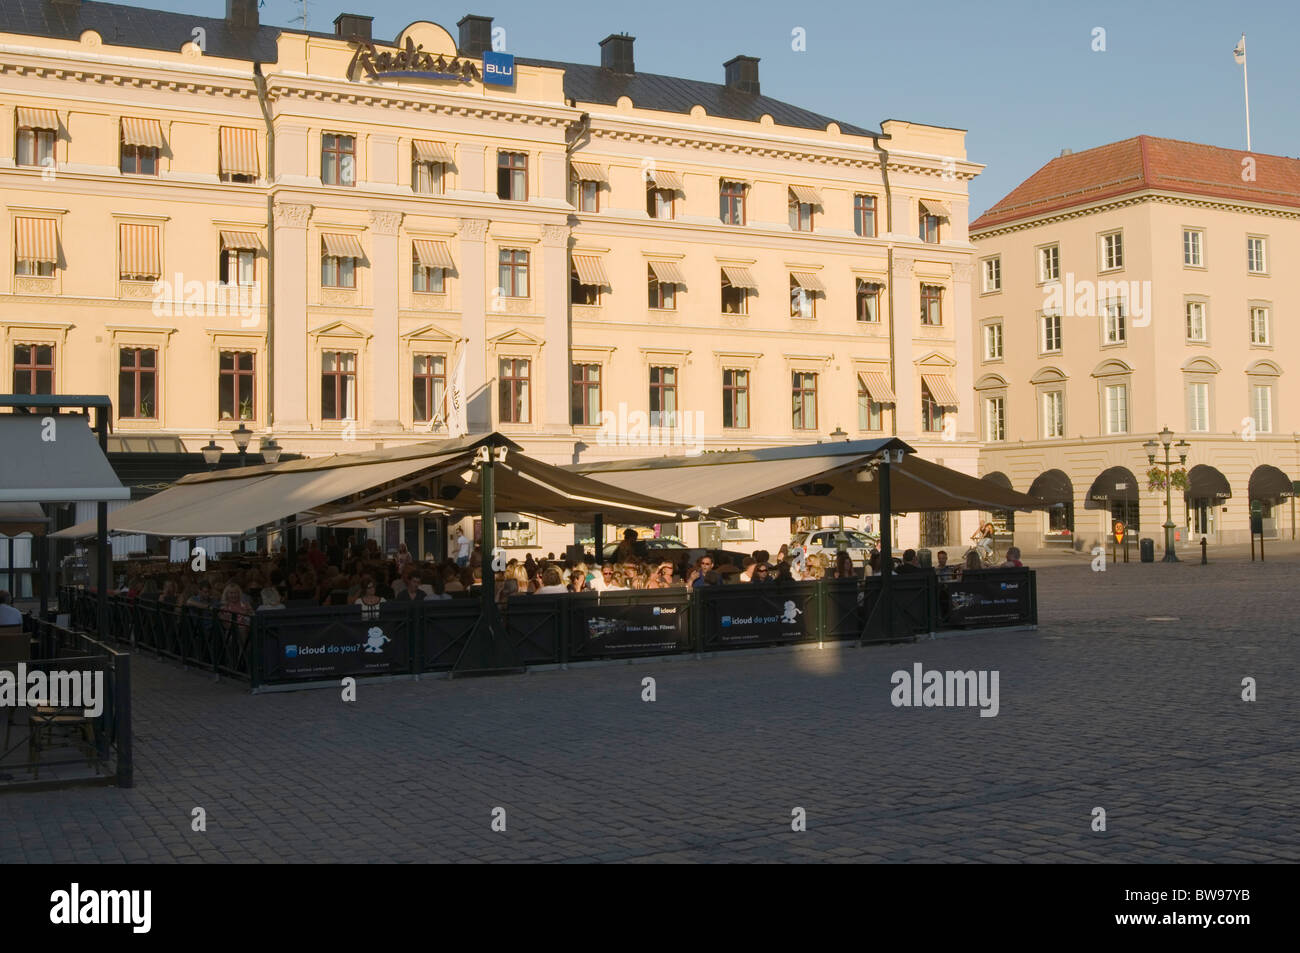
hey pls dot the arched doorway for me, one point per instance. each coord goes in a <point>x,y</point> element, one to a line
<point>1207,489</point>
<point>1117,489</point>
<point>1268,487</point>
<point>1055,487</point>
<point>1004,521</point>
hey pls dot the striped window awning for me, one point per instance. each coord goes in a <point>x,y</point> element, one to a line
<point>666,180</point>
<point>808,281</point>
<point>936,208</point>
<point>431,254</point>
<point>740,277</point>
<point>238,151</point>
<point>427,151</point>
<point>590,172</point>
<point>591,270</point>
<point>142,132</point>
<point>29,118</point>
<point>37,240</point>
<point>877,385</point>
<point>668,272</point>
<point>246,241</point>
<point>141,250</point>
<point>941,389</point>
<point>806,194</point>
<point>342,246</point>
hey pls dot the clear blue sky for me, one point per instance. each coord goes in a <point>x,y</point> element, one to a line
<point>1020,75</point>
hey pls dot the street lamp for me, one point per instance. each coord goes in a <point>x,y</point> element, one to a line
<point>1166,438</point>
<point>212,454</point>
<point>270,450</point>
<point>839,434</point>
<point>242,435</point>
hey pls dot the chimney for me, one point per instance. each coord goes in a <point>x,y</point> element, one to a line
<point>1067,152</point>
<point>242,14</point>
<point>616,53</point>
<point>352,26</point>
<point>475,34</point>
<point>742,73</point>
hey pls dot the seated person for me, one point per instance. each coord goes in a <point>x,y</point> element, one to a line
<point>910,563</point>
<point>552,582</point>
<point>1013,559</point>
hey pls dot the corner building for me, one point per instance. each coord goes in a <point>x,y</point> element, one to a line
<point>317,236</point>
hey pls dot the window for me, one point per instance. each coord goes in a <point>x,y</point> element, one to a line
<point>803,302</point>
<point>1116,322</point>
<point>139,160</point>
<point>1198,407</point>
<point>237,266</point>
<point>586,195</point>
<point>659,203</point>
<point>512,274</point>
<point>585,403</point>
<point>995,419</point>
<point>1050,338</point>
<point>36,147</point>
<point>735,300</point>
<point>864,216</point>
<point>1049,263</point>
<point>1116,405</point>
<point>932,305</point>
<point>1259,325</point>
<point>427,177</point>
<point>428,385</point>
<point>992,274</point>
<point>139,252</point>
<point>34,269</point>
<point>237,155</point>
<point>803,414</point>
<point>870,412</point>
<point>929,227</point>
<point>1195,320</point>
<point>868,301</point>
<point>663,294</point>
<point>1053,413</point>
<point>235,391</point>
<point>338,385</point>
<point>1193,247</point>
<point>1256,259</point>
<point>338,159</point>
<point>1112,251</point>
<point>801,214</point>
<point>993,342</point>
<point>513,392</point>
<point>663,396</point>
<point>735,399</point>
<point>1261,407</point>
<point>338,271</point>
<point>732,203</point>
<point>512,176</point>
<point>137,383</point>
<point>932,412</point>
<point>36,247</point>
<point>429,279</point>
<point>580,293</point>
<point>33,369</point>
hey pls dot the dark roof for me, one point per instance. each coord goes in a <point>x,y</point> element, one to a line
<point>136,27</point>
<point>594,84</point>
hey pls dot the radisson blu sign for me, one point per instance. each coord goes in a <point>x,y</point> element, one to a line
<point>410,62</point>
<point>498,68</point>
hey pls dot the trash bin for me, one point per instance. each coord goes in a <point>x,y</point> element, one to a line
<point>923,557</point>
<point>1148,548</point>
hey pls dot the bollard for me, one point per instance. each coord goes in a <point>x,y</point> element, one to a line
<point>1203,560</point>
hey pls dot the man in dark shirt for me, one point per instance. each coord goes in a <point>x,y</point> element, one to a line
<point>910,562</point>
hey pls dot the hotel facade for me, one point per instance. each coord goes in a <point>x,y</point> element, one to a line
<point>1140,285</point>
<point>343,242</point>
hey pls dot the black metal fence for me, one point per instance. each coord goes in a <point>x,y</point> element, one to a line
<point>53,740</point>
<point>295,645</point>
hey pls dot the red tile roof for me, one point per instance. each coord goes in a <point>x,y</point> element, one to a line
<point>1147,163</point>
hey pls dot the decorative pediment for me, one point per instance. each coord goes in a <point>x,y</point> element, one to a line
<point>516,337</point>
<point>1111,368</point>
<point>990,382</point>
<point>1048,375</point>
<point>340,329</point>
<point>1264,369</point>
<point>1201,365</point>
<point>936,359</point>
<point>430,332</point>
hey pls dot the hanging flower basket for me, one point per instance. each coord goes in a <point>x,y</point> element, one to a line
<point>1156,479</point>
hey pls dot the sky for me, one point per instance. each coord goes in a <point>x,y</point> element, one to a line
<point>1021,76</point>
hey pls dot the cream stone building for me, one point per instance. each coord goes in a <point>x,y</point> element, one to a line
<point>324,238</point>
<point>1130,287</point>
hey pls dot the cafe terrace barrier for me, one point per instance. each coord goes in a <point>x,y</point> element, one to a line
<point>75,748</point>
<point>324,644</point>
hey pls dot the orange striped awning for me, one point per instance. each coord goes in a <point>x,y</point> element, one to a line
<point>589,172</point>
<point>431,254</point>
<point>808,281</point>
<point>342,246</point>
<point>806,194</point>
<point>941,389</point>
<point>238,151</point>
<point>668,272</point>
<point>877,385</point>
<point>426,151</point>
<point>241,240</point>
<point>142,132</point>
<point>141,251</point>
<point>36,239</point>
<point>740,277</point>
<point>666,180</point>
<point>29,118</point>
<point>936,208</point>
<point>591,270</point>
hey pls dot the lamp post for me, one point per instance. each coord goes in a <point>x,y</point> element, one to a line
<point>839,434</point>
<point>212,454</point>
<point>270,450</point>
<point>1151,446</point>
<point>242,435</point>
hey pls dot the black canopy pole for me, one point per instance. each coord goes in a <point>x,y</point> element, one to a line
<point>101,534</point>
<point>598,531</point>
<point>886,550</point>
<point>487,490</point>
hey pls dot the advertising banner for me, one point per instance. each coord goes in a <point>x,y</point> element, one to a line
<point>629,629</point>
<point>978,600</point>
<point>315,647</point>
<point>759,614</point>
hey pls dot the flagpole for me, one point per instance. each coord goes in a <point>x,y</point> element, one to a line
<point>1245,79</point>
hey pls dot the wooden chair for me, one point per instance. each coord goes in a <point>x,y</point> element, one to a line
<point>73,726</point>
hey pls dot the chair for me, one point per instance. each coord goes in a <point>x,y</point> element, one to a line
<point>74,726</point>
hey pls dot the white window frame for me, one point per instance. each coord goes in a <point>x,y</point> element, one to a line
<point>1190,326</point>
<point>1118,389</point>
<point>1256,388</point>
<point>1043,322</point>
<point>1049,254</point>
<point>1114,316</point>
<point>1046,413</point>
<point>992,272</point>
<point>1265,339</point>
<point>1198,411</point>
<point>1198,245</point>
<point>1263,254</point>
<point>1112,251</point>
<point>995,418</point>
<point>993,342</point>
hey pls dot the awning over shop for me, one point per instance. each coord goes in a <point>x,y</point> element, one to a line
<point>342,246</point>
<point>877,385</point>
<point>806,194</point>
<point>591,270</point>
<point>55,461</point>
<point>142,132</point>
<point>1270,484</point>
<point>426,151</point>
<point>1053,486</point>
<point>238,151</point>
<point>668,272</point>
<point>740,277</point>
<point>1116,483</point>
<point>941,389</point>
<point>589,172</point>
<point>1206,483</point>
<point>36,239</point>
<point>431,254</point>
<point>29,118</point>
<point>998,478</point>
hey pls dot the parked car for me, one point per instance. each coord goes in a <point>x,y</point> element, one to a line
<point>673,550</point>
<point>856,543</point>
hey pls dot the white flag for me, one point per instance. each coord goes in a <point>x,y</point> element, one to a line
<point>456,411</point>
<point>1239,54</point>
